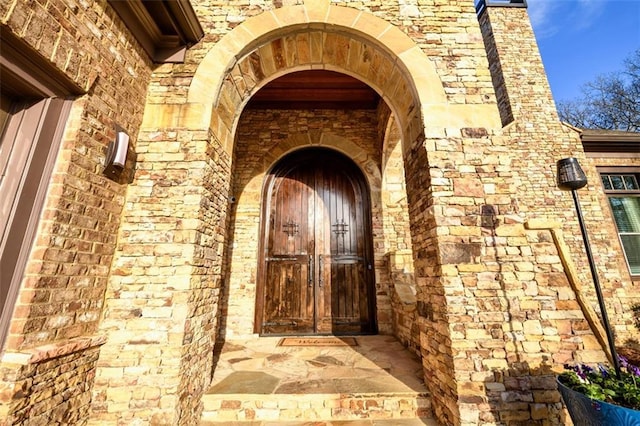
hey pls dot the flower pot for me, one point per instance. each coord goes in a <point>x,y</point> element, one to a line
<point>585,411</point>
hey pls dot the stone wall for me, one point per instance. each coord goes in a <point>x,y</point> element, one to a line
<point>61,297</point>
<point>161,308</point>
<point>203,317</point>
<point>536,125</point>
<point>398,260</point>
<point>627,289</point>
<point>501,301</point>
<point>472,185</point>
<point>494,249</point>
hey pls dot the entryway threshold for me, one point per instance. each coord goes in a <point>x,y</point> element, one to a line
<point>318,341</point>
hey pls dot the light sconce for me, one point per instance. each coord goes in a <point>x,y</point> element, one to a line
<point>116,157</point>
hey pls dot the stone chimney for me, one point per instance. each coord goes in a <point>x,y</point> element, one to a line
<point>518,75</point>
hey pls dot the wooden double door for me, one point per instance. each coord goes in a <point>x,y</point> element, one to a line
<point>317,275</point>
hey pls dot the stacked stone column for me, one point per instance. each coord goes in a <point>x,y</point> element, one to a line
<point>162,304</point>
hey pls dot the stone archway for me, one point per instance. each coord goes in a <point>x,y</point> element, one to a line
<point>380,54</point>
<point>319,35</point>
<point>311,36</point>
<point>186,167</point>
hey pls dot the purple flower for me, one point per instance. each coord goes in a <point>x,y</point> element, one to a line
<point>624,362</point>
<point>581,373</point>
<point>572,367</point>
<point>603,370</point>
<point>598,383</point>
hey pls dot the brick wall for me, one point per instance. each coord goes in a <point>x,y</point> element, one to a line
<point>61,297</point>
<point>70,261</point>
<point>50,385</point>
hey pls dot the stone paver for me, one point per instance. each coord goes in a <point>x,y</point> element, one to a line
<point>376,364</point>
<point>258,382</point>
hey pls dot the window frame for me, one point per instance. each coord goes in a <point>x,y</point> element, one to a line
<point>617,193</point>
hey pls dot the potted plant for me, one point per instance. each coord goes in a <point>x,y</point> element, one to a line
<point>597,396</point>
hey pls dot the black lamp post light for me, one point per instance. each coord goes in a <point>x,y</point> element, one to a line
<point>571,177</point>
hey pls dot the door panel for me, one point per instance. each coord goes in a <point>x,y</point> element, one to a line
<point>349,311</point>
<point>342,254</point>
<point>289,306</point>
<point>317,279</point>
<point>285,313</point>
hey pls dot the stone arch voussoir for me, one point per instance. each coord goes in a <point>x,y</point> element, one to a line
<point>315,36</point>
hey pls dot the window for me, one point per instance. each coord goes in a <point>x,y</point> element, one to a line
<point>623,190</point>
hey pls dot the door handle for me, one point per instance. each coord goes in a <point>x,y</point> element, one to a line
<point>320,280</point>
<point>310,273</point>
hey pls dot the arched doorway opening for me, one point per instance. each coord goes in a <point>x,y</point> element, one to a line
<point>315,263</point>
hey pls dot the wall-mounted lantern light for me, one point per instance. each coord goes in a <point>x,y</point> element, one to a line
<point>572,177</point>
<point>116,157</point>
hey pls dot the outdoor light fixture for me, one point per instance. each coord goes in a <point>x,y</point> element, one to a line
<point>570,174</point>
<point>572,177</point>
<point>116,153</point>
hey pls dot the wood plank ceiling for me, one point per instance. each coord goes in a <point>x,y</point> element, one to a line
<point>315,89</point>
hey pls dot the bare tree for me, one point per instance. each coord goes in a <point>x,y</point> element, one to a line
<point>610,102</point>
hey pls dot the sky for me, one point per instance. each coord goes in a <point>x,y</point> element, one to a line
<point>581,39</point>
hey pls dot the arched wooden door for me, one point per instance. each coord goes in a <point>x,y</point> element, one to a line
<point>317,275</point>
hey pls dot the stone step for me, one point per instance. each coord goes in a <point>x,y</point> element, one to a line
<point>226,408</point>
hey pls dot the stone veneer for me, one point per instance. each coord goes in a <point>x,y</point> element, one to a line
<point>626,289</point>
<point>477,226</point>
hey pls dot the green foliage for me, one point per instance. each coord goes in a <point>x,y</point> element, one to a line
<point>603,385</point>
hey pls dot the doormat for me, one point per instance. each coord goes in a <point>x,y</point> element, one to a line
<point>318,341</point>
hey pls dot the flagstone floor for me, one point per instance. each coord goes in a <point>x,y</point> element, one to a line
<point>377,370</point>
